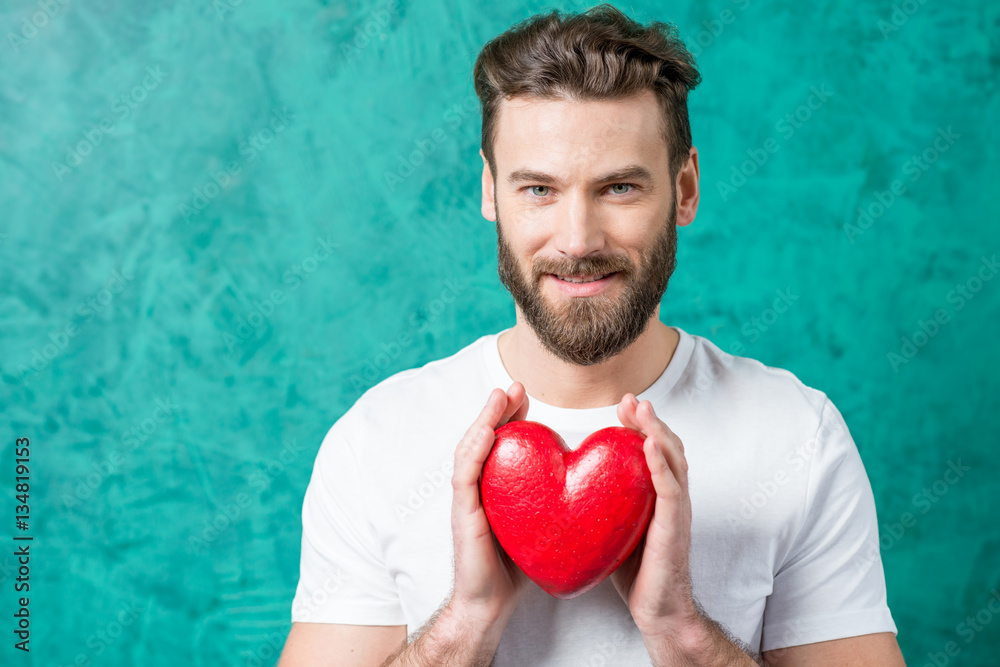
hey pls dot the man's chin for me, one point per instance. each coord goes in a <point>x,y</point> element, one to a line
<point>578,320</point>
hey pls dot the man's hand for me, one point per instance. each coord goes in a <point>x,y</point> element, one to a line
<point>487,583</point>
<point>467,628</point>
<point>655,581</point>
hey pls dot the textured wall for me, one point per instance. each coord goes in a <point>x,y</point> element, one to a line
<point>203,263</point>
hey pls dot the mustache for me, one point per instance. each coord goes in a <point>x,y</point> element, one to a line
<point>586,266</point>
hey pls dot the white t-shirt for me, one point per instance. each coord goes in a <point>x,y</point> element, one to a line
<point>784,536</point>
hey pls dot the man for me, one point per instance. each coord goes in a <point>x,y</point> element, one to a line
<point>764,519</point>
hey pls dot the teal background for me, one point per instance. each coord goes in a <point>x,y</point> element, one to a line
<point>120,485</point>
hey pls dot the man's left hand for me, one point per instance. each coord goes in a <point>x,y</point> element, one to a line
<point>655,581</point>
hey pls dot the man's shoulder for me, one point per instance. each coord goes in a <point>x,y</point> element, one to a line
<point>440,381</point>
<point>718,373</point>
<point>412,411</point>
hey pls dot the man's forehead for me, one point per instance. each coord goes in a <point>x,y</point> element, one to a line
<point>554,135</point>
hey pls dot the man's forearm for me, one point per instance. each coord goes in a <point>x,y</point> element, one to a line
<point>450,640</point>
<point>706,644</point>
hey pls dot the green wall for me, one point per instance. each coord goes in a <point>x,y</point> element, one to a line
<point>204,261</point>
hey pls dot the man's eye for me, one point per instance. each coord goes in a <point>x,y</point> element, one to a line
<point>615,188</point>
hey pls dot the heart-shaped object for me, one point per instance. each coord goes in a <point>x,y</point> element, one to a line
<point>567,518</point>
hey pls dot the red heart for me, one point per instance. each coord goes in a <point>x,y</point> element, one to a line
<point>567,518</point>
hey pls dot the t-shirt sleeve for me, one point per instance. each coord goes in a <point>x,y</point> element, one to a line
<point>830,584</point>
<point>342,576</point>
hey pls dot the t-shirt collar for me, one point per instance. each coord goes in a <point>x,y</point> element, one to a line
<point>587,420</point>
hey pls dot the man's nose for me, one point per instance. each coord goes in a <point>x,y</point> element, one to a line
<point>580,228</point>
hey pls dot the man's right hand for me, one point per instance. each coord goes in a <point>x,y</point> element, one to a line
<point>487,583</point>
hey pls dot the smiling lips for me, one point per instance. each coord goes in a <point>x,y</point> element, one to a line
<point>577,286</point>
<point>581,279</point>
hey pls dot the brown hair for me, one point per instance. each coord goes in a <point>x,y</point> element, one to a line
<point>599,54</point>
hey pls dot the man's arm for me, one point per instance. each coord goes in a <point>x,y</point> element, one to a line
<point>451,638</point>
<point>875,650</point>
<point>336,645</point>
<point>447,638</point>
<point>711,646</point>
<point>704,643</point>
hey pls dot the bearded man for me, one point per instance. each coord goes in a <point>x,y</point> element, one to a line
<point>759,550</point>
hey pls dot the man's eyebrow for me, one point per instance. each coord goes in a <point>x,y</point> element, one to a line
<point>633,172</point>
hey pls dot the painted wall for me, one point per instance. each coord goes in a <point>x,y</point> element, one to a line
<point>214,235</point>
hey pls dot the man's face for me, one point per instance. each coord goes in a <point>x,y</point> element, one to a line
<point>572,220</point>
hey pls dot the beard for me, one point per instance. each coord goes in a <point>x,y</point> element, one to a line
<point>588,330</point>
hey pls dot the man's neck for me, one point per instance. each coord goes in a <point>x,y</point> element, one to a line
<point>566,385</point>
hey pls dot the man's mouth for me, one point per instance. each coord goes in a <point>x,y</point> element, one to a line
<point>583,279</point>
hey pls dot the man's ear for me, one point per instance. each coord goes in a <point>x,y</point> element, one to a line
<point>686,188</point>
<point>489,210</point>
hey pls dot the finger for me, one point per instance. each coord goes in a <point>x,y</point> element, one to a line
<point>522,412</point>
<point>626,411</point>
<point>517,402</point>
<point>475,444</point>
<point>496,402</point>
<point>469,459</point>
<point>668,444</point>
<point>515,394</point>
<point>667,486</point>
<point>647,419</point>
